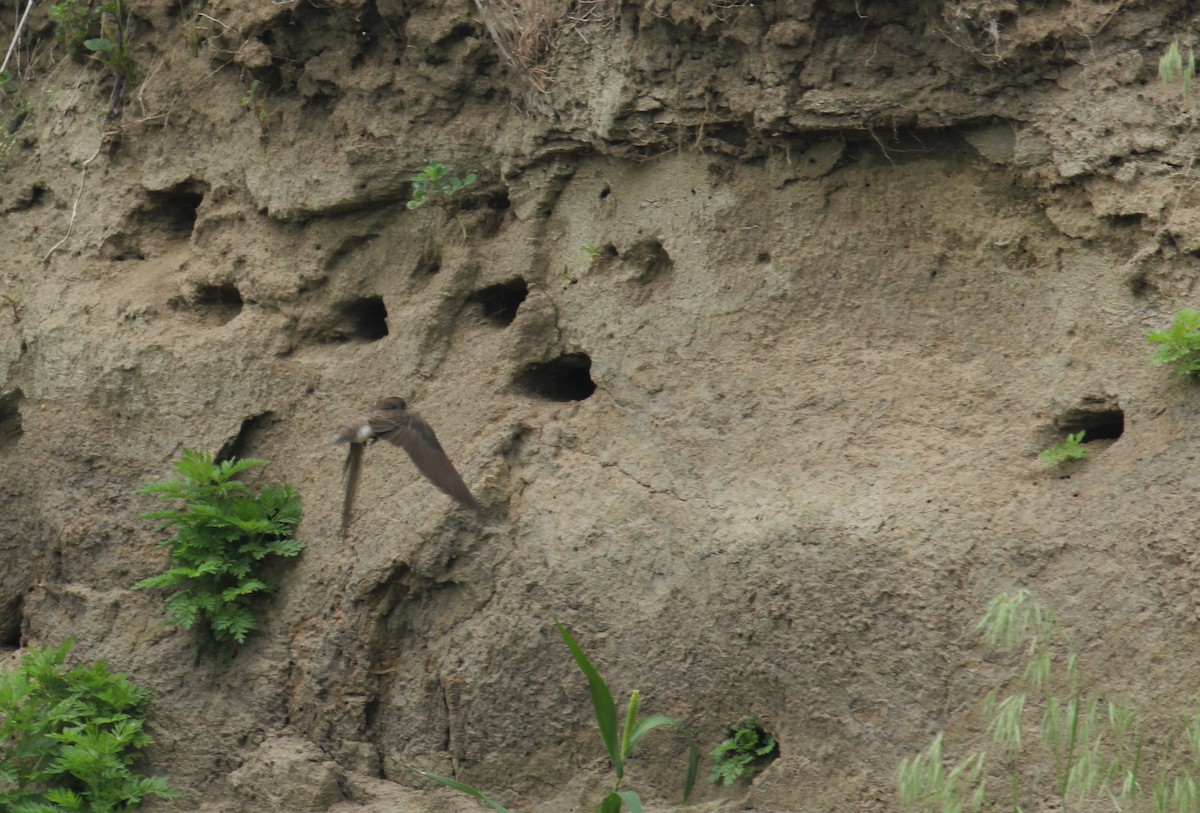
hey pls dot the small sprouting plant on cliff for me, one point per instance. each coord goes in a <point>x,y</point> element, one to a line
<point>620,744</point>
<point>76,20</point>
<point>594,253</point>
<point>1172,68</point>
<point>746,747</point>
<point>1179,345</point>
<point>73,21</point>
<point>1070,449</point>
<point>68,739</point>
<point>1092,753</point>
<point>75,25</point>
<point>255,99</point>
<point>221,537</point>
<point>434,182</point>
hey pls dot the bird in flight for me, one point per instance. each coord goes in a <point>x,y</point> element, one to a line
<point>391,420</point>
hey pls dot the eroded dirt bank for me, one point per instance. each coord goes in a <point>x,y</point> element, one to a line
<point>768,452</point>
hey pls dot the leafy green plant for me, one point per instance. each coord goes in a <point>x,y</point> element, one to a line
<point>1091,753</point>
<point>113,54</point>
<point>1179,344</point>
<point>1070,449</point>
<point>620,744</point>
<point>68,739</point>
<point>221,537</point>
<point>435,182</point>
<point>737,756</point>
<point>621,747</point>
<point>73,22</point>
<point>1172,68</point>
<point>97,29</point>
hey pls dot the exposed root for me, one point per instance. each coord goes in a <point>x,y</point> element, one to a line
<point>527,32</point>
<point>105,139</point>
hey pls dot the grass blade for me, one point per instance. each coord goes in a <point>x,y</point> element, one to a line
<point>602,701</point>
<point>478,795</point>
<point>649,724</point>
<point>646,726</point>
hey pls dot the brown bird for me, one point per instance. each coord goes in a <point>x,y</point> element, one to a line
<point>391,420</point>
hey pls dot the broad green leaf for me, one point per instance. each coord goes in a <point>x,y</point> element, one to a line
<point>632,800</point>
<point>602,701</point>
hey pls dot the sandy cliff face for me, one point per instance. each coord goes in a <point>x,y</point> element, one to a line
<point>769,452</point>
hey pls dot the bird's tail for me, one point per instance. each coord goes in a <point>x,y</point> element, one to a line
<point>352,472</point>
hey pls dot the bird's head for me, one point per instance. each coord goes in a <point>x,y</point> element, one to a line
<point>392,403</point>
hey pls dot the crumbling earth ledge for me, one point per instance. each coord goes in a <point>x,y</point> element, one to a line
<point>746,339</point>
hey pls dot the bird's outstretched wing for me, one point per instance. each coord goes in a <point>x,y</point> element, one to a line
<point>409,431</point>
<point>352,472</point>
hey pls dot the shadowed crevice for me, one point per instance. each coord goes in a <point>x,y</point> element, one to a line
<point>10,418</point>
<point>11,618</point>
<point>242,444</point>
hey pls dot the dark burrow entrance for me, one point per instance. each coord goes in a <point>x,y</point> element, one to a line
<point>566,378</point>
<point>499,303</point>
<point>365,318</point>
<point>1098,421</point>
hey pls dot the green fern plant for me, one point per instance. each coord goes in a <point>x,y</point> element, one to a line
<point>1179,345</point>
<point>746,746</point>
<point>221,537</point>
<point>1070,449</point>
<point>68,739</point>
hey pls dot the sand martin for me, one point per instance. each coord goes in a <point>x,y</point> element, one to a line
<point>391,420</point>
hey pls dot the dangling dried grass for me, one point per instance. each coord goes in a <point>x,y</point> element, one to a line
<point>527,32</point>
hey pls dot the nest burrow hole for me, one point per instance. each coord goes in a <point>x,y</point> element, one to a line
<point>365,319</point>
<point>566,378</point>
<point>1097,423</point>
<point>499,303</point>
<point>221,301</point>
<point>174,209</point>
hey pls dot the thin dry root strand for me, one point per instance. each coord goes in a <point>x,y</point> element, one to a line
<point>527,31</point>
<point>105,139</point>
